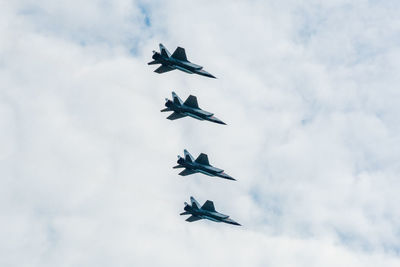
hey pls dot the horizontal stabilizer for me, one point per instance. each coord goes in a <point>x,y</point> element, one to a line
<point>202,159</point>
<point>186,172</point>
<point>175,116</point>
<point>163,69</point>
<point>178,167</point>
<point>191,101</point>
<point>179,54</point>
<point>208,205</point>
<point>185,213</point>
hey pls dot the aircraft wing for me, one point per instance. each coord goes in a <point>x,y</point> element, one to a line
<point>179,54</point>
<point>202,159</point>
<point>163,69</point>
<point>175,116</point>
<point>193,219</point>
<point>208,205</point>
<point>186,172</point>
<point>191,101</point>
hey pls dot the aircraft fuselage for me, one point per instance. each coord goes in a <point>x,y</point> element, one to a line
<point>205,169</point>
<point>209,215</point>
<point>189,111</point>
<point>216,216</point>
<point>175,63</point>
<point>181,65</point>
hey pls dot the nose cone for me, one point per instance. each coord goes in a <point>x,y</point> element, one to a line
<point>226,176</point>
<point>216,120</point>
<point>205,73</point>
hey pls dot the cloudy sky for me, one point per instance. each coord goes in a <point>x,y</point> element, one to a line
<point>309,90</point>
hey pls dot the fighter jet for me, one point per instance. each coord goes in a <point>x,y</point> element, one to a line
<point>177,60</point>
<point>188,108</point>
<point>207,211</point>
<point>201,165</point>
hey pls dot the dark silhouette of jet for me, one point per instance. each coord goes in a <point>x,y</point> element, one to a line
<point>207,211</point>
<point>188,108</point>
<point>201,165</point>
<point>177,60</point>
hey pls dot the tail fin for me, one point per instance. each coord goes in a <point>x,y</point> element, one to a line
<point>194,202</point>
<point>164,51</point>
<point>176,99</point>
<point>188,156</point>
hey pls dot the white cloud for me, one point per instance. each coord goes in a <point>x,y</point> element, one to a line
<point>309,92</point>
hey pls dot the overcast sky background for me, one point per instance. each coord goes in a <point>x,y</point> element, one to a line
<point>309,90</point>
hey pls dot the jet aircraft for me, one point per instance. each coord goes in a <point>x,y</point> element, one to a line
<point>207,211</point>
<point>201,165</point>
<point>188,108</point>
<point>177,60</point>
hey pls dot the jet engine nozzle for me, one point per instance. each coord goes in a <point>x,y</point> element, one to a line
<point>180,160</point>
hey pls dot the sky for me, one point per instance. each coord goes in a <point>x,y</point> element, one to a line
<point>310,93</point>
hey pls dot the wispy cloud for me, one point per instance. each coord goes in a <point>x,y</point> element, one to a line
<point>310,95</point>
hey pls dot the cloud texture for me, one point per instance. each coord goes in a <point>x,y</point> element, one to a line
<point>310,94</point>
